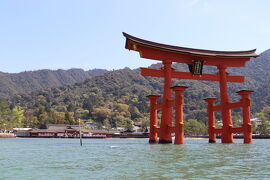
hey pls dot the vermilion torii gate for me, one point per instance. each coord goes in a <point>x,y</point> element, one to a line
<point>195,58</point>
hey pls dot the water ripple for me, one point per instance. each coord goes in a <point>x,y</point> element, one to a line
<point>132,159</point>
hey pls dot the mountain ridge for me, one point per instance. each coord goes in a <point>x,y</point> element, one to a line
<point>28,81</point>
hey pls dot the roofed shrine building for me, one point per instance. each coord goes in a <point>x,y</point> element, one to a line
<point>196,59</point>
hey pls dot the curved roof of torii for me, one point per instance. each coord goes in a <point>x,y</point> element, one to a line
<point>131,40</point>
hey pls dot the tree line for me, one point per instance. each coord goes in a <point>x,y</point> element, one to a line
<point>119,115</point>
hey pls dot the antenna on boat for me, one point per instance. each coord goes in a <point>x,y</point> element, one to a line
<point>80,131</point>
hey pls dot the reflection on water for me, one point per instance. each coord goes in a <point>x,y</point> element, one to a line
<point>132,159</point>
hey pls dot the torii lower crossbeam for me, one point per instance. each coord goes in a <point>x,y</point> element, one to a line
<point>188,75</point>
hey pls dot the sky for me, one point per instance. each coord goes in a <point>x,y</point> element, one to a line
<point>87,34</point>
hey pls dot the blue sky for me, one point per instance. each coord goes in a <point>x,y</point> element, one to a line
<point>63,34</point>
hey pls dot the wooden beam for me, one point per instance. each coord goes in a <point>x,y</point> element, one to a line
<point>171,128</point>
<point>188,75</point>
<point>235,105</point>
<point>217,108</point>
<point>152,72</point>
<point>187,58</point>
<point>237,130</point>
<point>218,130</point>
<point>159,106</point>
<point>236,79</point>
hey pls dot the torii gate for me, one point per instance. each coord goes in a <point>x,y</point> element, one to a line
<point>195,58</point>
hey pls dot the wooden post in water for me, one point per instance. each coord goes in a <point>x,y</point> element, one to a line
<point>153,137</point>
<point>211,120</point>
<point>80,132</point>
<point>247,127</point>
<point>179,114</point>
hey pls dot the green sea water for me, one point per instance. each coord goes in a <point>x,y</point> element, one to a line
<point>41,159</point>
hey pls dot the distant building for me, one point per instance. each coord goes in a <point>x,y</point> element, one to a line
<point>22,132</point>
<point>91,125</point>
<point>53,130</point>
<point>120,129</point>
<point>73,131</point>
<point>60,130</point>
<point>256,121</point>
<point>137,127</point>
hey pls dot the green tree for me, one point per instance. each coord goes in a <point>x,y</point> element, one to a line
<point>134,111</point>
<point>69,117</point>
<point>17,116</point>
<point>5,116</point>
<point>124,122</point>
<point>81,114</point>
<point>44,120</point>
<point>107,124</point>
<point>60,118</point>
<point>237,119</point>
<point>4,109</point>
<point>200,115</point>
<point>194,127</point>
<point>30,119</point>
<point>266,112</point>
<point>100,114</point>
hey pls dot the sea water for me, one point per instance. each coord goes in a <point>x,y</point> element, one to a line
<point>132,159</point>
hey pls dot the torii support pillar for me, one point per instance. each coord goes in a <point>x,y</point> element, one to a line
<point>227,136</point>
<point>179,120</point>
<point>153,118</point>
<point>247,127</point>
<point>211,120</point>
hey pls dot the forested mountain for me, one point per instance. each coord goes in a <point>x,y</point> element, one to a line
<point>25,82</point>
<point>117,98</point>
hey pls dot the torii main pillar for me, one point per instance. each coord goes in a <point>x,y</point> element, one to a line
<point>166,117</point>
<point>227,136</point>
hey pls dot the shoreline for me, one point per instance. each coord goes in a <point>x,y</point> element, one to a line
<point>131,136</point>
<point>7,135</point>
